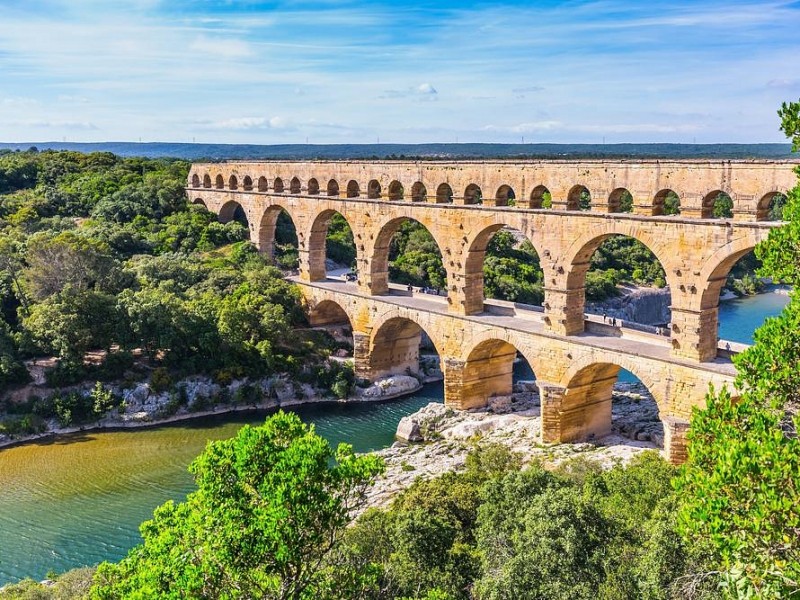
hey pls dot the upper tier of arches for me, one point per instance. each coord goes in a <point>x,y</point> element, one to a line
<point>687,190</point>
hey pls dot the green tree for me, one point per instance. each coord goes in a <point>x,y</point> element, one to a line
<point>271,503</point>
<point>73,321</point>
<point>740,488</point>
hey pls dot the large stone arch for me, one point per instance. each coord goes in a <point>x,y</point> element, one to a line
<point>473,265</point>
<point>583,411</point>
<point>394,346</point>
<point>484,369</point>
<point>378,254</point>
<point>200,202</point>
<point>317,242</point>
<point>568,301</point>
<point>267,224</point>
<point>233,211</point>
<point>328,312</point>
<point>701,318</point>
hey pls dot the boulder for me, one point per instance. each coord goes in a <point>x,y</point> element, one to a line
<point>499,404</point>
<point>408,429</point>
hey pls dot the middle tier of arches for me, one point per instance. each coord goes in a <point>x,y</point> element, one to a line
<point>694,268</point>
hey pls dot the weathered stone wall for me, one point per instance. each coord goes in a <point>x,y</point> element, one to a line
<point>749,183</point>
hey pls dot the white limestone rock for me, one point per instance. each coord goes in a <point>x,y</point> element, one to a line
<point>391,386</point>
<point>408,430</point>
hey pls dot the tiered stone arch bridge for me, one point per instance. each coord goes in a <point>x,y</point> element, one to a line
<point>463,204</point>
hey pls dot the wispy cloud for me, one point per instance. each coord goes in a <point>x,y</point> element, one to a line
<point>355,70</point>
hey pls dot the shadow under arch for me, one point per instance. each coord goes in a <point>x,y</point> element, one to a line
<point>488,372</point>
<point>666,203</point>
<point>332,189</point>
<point>770,207</point>
<point>268,236</point>
<point>233,211</point>
<point>200,202</point>
<point>620,201</point>
<point>585,412</point>
<point>474,277</point>
<point>394,347</point>
<point>379,263</point>
<point>505,196</point>
<point>328,312</point>
<point>444,194</point>
<point>418,192</point>
<point>318,247</point>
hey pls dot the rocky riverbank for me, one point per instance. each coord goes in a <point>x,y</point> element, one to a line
<point>440,437</point>
<point>143,406</point>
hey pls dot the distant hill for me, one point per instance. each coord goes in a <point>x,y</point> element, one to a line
<point>424,151</point>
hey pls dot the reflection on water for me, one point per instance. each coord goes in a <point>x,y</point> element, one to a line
<point>79,499</point>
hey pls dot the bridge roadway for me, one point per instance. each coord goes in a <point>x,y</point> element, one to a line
<point>575,373</point>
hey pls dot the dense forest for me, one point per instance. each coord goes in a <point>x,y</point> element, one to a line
<point>103,254</point>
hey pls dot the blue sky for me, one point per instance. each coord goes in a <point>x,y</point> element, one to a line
<point>331,71</point>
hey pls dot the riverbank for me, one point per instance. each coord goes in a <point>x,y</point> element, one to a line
<point>437,438</point>
<point>143,407</point>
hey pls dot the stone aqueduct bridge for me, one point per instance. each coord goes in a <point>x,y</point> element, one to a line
<point>576,365</point>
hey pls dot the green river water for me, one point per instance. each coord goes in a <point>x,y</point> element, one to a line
<point>78,499</point>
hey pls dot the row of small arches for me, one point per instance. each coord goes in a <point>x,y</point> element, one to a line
<point>715,204</point>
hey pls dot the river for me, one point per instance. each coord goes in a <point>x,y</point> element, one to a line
<point>79,499</point>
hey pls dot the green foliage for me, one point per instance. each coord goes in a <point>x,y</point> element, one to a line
<point>722,207</point>
<point>511,270</point>
<point>340,245</point>
<point>270,505</point>
<point>73,321</point>
<point>415,258</point>
<point>740,488</point>
<point>72,585</point>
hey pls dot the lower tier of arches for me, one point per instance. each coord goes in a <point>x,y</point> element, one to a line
<point>575,377</point>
